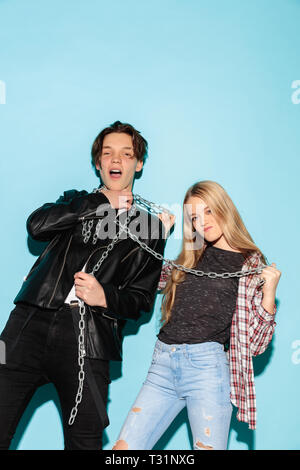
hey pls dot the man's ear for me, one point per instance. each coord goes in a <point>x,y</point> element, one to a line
<point>98,166</point>
<point>139,166</point>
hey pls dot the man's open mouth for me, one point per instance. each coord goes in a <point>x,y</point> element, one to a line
<point>115,174</point>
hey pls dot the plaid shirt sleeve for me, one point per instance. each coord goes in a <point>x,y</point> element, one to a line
<point>252,329</point>
<point>261,324</point>
<point>164,276</point>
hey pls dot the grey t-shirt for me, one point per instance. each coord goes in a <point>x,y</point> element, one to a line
<point>203,307</point>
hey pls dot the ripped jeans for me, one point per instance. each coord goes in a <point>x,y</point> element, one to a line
<point>191,375</point>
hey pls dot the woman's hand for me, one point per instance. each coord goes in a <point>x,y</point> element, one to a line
<point>88,289</point>
<point>271,275</point>
<point>168,220</point>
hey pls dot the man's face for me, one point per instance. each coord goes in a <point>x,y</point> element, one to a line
<point>118,164</point>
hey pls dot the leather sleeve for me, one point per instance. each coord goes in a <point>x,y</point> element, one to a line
<point>139,294</point>
<point>50,219</point>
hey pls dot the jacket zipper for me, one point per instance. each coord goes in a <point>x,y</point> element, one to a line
<point>61,270</point>
<point>130,253</point>
<point>115,326</point>
<point>91,215</point>
<point>107,316</point>
<point>116,334</point>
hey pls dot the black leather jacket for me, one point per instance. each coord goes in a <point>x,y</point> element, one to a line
<point>129,275</point>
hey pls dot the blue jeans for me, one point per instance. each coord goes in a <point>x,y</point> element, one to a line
<point>191,375</point>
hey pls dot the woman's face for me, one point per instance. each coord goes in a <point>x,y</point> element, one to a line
<point>202,219</point>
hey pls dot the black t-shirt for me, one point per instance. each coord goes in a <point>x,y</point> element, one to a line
<point>203,307</point>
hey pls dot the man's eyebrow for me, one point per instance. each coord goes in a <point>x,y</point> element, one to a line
<point>109,147</point>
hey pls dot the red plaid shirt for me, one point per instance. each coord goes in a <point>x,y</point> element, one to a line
<point>252,329</point>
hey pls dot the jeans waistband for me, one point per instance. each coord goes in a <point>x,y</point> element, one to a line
<point>208,347</point>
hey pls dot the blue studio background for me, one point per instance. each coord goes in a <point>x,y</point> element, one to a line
<point>214,86</point>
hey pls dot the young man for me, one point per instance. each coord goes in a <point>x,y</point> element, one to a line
<point>42,332</point>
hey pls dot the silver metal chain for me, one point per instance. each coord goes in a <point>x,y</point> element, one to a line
<point>87,229</point>
<point>196,272</point>
<point>86,232</point>
<point>81,354</point>
<point>151,206</point>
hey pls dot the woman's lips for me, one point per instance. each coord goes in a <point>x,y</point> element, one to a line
<point>207,228</point>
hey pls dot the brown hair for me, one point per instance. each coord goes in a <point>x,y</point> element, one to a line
<point>140,145</point>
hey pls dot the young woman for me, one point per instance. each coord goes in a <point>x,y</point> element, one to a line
<point>211,328</point>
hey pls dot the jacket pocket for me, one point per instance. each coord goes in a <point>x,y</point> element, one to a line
<point>102,336</point>
<point>114,325</point>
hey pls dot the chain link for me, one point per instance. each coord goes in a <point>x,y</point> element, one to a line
<point>87,229</point>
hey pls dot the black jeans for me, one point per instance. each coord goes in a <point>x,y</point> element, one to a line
<point>42,347</point>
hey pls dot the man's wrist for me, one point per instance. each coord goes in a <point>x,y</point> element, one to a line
<point>102,299</point>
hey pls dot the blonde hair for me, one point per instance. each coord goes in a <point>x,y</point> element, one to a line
<point>233,228</point>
